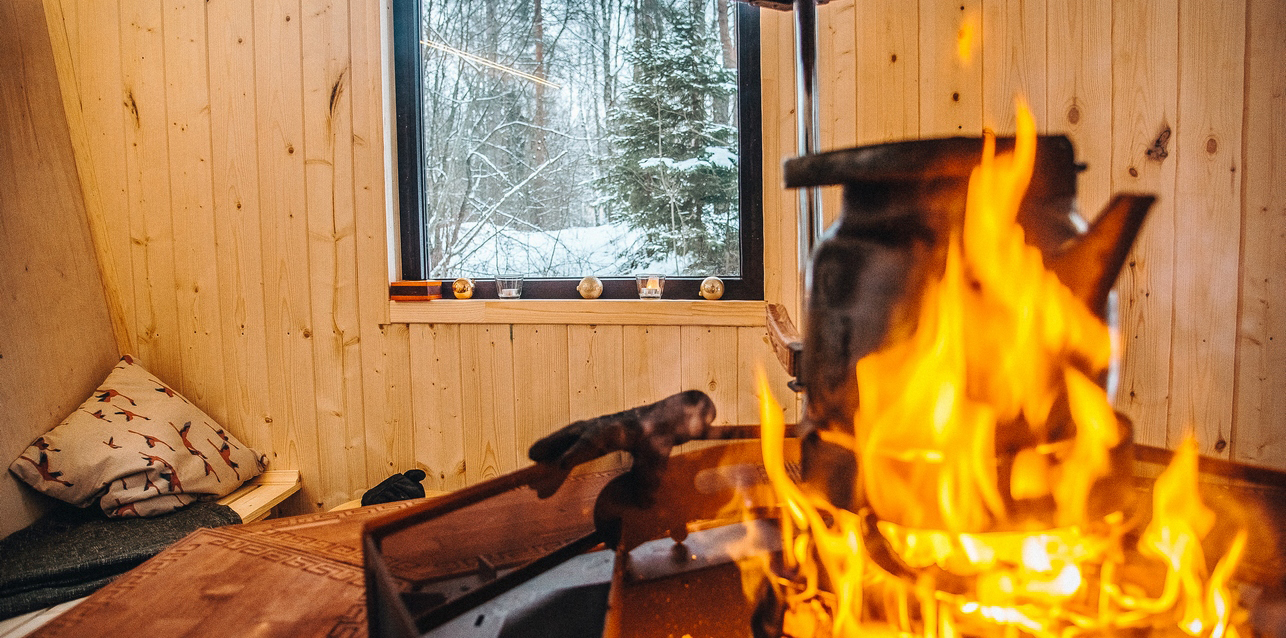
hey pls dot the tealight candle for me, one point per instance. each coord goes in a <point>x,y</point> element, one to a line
<point>650,286</point>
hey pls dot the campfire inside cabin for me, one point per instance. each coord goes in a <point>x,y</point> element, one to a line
<point>959,471</point>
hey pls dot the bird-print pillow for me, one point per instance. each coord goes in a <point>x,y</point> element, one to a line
<point>138,448</point>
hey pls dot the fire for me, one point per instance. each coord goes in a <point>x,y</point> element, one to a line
<point>981,438</point>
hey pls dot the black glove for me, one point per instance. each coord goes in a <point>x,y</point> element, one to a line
<point>398,487</point>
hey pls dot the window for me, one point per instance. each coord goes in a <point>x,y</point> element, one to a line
<point>564,138</point>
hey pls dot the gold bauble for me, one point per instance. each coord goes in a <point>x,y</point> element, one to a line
<point>712,288</point>
<point>462,287</point>
<point>590,287</point>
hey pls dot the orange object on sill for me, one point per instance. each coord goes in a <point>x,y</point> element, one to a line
<point>415,290</point>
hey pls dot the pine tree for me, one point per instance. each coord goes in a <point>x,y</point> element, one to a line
<point>673,167</point>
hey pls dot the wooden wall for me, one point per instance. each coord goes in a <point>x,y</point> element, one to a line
<point>233,157</point>
<point>56,341</point>
<point>1182,98</point>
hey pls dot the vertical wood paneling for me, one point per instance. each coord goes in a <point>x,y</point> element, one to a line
<point>487,386</point>
<point>381,351</point>
<point>595,370</point>
<point>950,85</point>
<point>1013,62</point>
<point>437,397</point>
<point>390,442</point>
<point>1079,95</point>
<point>1144,104</point>
<point>97,132</point>
<point>238,152</point>
<point>754,353</point>
<point>234,160</point>
<point>652,360</point>
<point>1207,221</point>
<point>1260,424</point>
<point>888,71</point>
<point>332,247</point>
<point>147,158</point>
<point>837,71</point>
<point>279,123</point>
<point>540,384</point>
<point>781,266</point>
<point>187,106</point>
<point>710,365</point>
<point>54,348</point>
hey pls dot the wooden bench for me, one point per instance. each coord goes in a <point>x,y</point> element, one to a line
<point>254,500</point>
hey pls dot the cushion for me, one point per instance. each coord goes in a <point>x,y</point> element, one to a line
<point>138,448</point>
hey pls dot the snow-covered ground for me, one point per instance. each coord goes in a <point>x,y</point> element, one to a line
<point>570,252</point>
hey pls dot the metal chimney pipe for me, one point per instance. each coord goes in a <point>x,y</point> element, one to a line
<point>808,116</point>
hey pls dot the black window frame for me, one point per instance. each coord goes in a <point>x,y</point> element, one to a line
<point>409,114</point>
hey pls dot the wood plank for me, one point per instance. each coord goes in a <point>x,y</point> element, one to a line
<point>595,371</point>
<point>1260,417</point>
<point>1144,107</point>
<point>950,85</point>
<point>94,43</point>
<point>888,71</point>
<point>254,500</point>
<point>580,312</point>
<point>652,358</point>
<point>284,233</point>
<point>235,180</point>
<point>710,365</point>
<point>390,438</point>
<point>64,28</point>
<point>837,93</point>
<point>437,398</point>
<point>1013,62</point>
<point>54,348</point>
<point>196,276</point>
<point>541,395</point>
<point>1207,221</point>
<point>777,85</point>
<point>155,298</point>
<point>387,416</point>
<point>1079,92</point>
<point>331,250</point>
<point>754,353</point>
<point>487,390</point>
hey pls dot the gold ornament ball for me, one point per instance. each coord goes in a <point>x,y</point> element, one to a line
<point>712,288</point>
<point>590,287</point>
<point>462,287</point>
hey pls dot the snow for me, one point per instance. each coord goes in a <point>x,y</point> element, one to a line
<point>570,252</point>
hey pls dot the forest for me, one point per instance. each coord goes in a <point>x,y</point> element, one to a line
<point>564,138</point>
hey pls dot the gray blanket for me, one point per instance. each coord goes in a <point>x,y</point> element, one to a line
<point>72,552</point>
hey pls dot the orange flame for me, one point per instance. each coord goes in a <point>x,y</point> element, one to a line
<point>1001,348</point>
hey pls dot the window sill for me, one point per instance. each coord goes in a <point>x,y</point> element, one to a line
<point>665,312</point>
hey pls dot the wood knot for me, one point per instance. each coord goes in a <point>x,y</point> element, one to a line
<point>1220,444</point>
<point>1073,115</point>
<point>1158,150</point>
<point>308,333</point>
<point>1134,172</point>
<point>1212,145</point>
<point>893,58</point>
<point>290,149</point>
<point>955,97</point>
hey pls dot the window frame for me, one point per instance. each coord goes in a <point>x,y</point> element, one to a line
<point>409,105</point>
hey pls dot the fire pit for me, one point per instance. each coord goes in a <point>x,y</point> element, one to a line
<point>959,471</point>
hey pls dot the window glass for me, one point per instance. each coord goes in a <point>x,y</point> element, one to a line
<point>563,138</point>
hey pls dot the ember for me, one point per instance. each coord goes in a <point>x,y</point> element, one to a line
<point>981,437</point>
